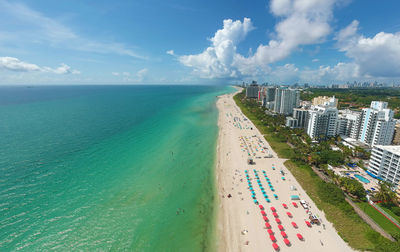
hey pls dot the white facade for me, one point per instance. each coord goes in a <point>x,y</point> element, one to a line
<point>385,163</point>
<point>348,123</point>
<point>286,100</point>
<point>322,122</point>
<point>376,124</point>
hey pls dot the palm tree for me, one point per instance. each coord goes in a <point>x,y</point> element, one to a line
<point>385,194</point>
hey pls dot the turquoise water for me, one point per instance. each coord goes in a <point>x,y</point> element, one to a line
<point>107,168</point>
<point>362,179</point>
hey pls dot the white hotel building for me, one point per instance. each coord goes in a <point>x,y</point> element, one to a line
<point>385,163</point>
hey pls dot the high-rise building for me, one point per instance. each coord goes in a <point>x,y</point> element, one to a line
<point>385,163</point>
<point>325,100</point>
<point>377,124</point>
<point>252,91</point>
<point>300,114</point>
<point>322,122</point>
<point>286,100</point>
<point>348,122</point>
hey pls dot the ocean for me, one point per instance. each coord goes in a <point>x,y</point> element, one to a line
<point>104,168</point>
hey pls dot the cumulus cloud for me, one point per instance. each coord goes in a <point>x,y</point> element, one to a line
<point>218,59</point>
<point>376,56</point>
<point>302,22</point>
<point>16,65</point>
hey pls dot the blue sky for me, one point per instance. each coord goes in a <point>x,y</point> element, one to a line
<point>190,42</point>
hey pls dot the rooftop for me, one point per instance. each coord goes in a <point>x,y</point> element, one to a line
<point>390,148</point>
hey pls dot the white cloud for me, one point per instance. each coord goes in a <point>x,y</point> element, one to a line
<point>303,22</point>
<point>137,77</point>
<point>14,64</point>
<point>141,74</point>
<point>376,56</point>
<point>40,29</point>
<point>217,60</point>
<point>315,60</point>
<point>171,52</point>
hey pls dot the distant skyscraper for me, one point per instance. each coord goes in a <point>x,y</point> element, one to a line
<point>377,124</point>
<point>286,100</point>
<point>252,91</point>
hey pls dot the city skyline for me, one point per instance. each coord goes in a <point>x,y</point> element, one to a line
<point>186,42</point>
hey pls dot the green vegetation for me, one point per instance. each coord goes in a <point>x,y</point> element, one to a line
<point>385,194</point>
<point>356,98</point>
<point>379,218</point>
<point>391,209</point>
<point>327,196</point>
<point>352,187</point>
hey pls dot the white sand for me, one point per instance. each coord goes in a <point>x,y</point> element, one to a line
<point>239,212</point>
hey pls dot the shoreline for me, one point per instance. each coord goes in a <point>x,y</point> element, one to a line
<point>238,213</point>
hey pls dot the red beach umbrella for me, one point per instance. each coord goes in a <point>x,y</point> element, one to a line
<point>277,220</point>
<point>273,209</point>
<point>275,246</point>
<point>280,227</point>
<point>275,214</point>
<point>308,223</point>
<point>272,237</point>
<point>294,204</point>
<point>265,218</point>
<point>289,214</point>
<point>261,206</point>
<point>300,236</point>
<point>263,212</point>
<point>287,242</point>
<point>270,232</point>
<point>267,225</point>
<point>283,234</point>
<point>294,224</point>
<point>284,205</point>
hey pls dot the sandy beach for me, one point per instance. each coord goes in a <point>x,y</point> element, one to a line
<point>240,225</point>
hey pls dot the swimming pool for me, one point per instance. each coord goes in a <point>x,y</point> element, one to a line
<point>362,179</point>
